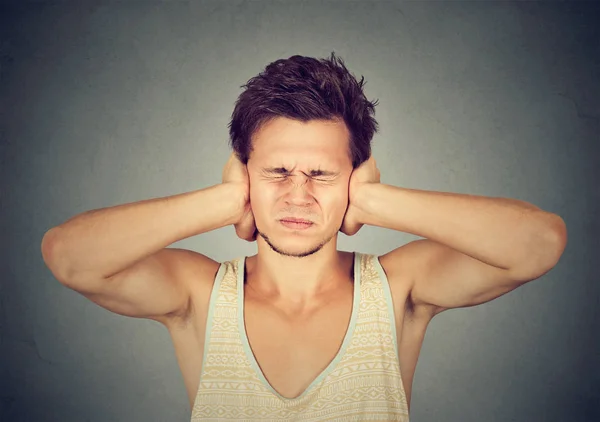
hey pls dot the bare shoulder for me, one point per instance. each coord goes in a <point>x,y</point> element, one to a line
<point>197,272</point>
<point>400,266</point>
<point>195,267</point>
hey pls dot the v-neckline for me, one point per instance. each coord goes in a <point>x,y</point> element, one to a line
<point>241,264</point>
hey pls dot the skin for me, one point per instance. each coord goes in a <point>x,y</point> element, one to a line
<point>295,267</point>
<point>295,270</point>
<point>298,287</point>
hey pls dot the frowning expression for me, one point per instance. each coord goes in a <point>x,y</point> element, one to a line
<point>299,172</point>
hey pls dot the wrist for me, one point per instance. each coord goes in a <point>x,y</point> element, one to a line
<point>236,195</point>
<point>366,202</point>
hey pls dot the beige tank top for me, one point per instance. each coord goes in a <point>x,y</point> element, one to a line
<point>362,382</point>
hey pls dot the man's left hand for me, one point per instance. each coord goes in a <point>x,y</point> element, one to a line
<point>365,174</point>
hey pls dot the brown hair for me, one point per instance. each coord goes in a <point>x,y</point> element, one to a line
<point>304,88</point>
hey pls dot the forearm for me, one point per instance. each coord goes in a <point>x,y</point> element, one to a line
<point>505,233</point>
<point>105,241</point>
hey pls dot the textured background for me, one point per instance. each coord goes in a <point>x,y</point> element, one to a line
<point>105,103</point>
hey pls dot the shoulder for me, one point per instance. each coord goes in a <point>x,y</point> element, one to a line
<point>195,268</point>
<point>198,273</point>
<point>401,266</point>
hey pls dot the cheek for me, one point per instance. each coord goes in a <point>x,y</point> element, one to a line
<point>336,202</point>
<point>261,199</point>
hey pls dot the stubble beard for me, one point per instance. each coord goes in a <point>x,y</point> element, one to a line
<point>283,252</point>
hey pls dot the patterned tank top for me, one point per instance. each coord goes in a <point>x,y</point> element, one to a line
<point>362,382</point>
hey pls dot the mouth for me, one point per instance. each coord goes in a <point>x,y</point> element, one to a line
<point>296,223</point>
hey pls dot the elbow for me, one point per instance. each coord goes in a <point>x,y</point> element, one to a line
<point>53,258</point>
<point>47,248</point>
<point>545,252</point>
<point>561,234</point>
<point>556,242</point>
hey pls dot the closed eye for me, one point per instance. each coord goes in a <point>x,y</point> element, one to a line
<point>281,173</point>
<point>282,178</point>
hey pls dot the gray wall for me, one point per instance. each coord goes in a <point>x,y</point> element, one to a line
<point>107,103</point>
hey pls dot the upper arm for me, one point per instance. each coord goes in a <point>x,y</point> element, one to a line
<point>157,287</point>
<point>444,278</point>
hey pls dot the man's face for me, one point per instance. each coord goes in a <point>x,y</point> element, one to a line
<point>299,170</point>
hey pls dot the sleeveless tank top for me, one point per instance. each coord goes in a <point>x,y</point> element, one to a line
<point>362,382</point>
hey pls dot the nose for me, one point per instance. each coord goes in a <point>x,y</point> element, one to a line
<point>299,192</point>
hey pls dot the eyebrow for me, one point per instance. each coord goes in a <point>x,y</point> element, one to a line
<point>283,170</point>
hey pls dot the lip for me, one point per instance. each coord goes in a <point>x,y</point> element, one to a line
<point>296,223</point>
<point>295,220</point>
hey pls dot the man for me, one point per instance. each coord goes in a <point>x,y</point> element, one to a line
<point>302,331</point>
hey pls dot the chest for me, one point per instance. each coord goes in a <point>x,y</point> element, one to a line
<point>292,353</point>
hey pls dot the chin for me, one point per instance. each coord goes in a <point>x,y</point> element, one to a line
<point>291,245</point>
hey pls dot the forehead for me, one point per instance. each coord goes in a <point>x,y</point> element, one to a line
<point>294,142</point>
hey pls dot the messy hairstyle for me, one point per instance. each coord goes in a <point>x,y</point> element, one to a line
<point>304,89</point>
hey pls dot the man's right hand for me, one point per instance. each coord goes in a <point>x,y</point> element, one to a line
<point>236,173</point>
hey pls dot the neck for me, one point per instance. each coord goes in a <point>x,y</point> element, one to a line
<point>298,282</point>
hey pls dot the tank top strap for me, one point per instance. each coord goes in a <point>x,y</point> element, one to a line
<point>377,297</point>
<point>374,332</point>
<point>223,349</point>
